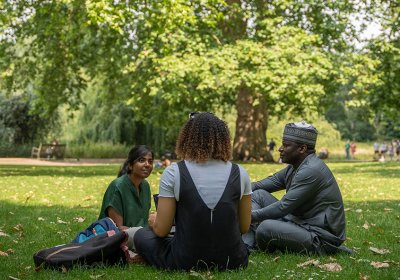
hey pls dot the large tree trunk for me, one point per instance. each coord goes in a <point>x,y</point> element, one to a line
<point>250,141</point>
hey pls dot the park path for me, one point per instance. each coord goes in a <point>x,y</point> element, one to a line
<point>65,162</point>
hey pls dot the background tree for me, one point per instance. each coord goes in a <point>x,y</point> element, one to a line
<point>97,122</point>
<point>377,106</point>
<point>20,125</point>
<point>165,59</point>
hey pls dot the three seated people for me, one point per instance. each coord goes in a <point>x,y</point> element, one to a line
<point>219,215</point>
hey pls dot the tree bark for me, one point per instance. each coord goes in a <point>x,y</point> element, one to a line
<point>250,142</point>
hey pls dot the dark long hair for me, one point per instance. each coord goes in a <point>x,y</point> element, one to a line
<point>134,154</point>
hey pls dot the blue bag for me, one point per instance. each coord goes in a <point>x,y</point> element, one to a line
<point>98,227</point>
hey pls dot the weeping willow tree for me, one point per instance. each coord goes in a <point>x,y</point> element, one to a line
<point>98,121</point>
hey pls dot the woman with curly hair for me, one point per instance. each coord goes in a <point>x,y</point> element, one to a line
<point>206,196</point>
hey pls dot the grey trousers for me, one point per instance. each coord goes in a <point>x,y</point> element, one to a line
<point>281,234</point>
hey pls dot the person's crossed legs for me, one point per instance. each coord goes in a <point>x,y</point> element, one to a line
<point>278,234</point>
<point>282,235</point>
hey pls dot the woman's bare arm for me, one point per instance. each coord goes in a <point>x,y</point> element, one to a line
<point>245,213</point>
<point>165,216</point>
<point>116,217</point>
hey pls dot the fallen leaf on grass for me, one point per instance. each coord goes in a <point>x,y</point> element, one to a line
<point>13,278</point>
<point>10,251</point>
<point>379,264</point>
<point>379,251</point>
<point>347,209</point>
<point>3,254</point>
<point>362,277</point>
<point>387,209</point>
<point>359,211</point>
<point>97,276</point>
<point>333,267</point>
<point>61,221</point>
<point>3,233</point>
<point>18,227</point>
<point>276,259</point>
<point>89,197</point>
<point>79,219</point>
<point>308,263</point>
<point>40,219</point>
<point>206,275</point>
<point>366,225</point>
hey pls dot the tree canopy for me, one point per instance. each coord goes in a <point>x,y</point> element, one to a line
<point>166,58</point>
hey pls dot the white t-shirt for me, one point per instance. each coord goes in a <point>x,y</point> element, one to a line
<point>210,179</point>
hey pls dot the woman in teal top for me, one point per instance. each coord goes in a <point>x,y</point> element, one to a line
<point>127,199</point>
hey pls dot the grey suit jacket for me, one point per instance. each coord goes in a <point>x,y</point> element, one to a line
<point>312,200</point>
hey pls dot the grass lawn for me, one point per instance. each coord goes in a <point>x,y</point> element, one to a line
<point>42,207</point>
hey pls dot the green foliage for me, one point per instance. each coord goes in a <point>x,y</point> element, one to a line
<point>47,203</point>
<point>279,74</point>
<point>19,124</point>
<point>97,150</point>
<point>353,124</point>
<point>171,57</point>
<point>386,95</point>
<point>100,124</point>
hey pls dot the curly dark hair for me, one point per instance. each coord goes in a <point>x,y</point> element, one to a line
<point>204,137</point>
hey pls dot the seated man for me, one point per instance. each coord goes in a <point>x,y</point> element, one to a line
<point>310,216</point>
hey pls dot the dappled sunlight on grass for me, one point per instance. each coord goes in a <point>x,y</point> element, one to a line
<point>368,181</point>
<point>45,206</point>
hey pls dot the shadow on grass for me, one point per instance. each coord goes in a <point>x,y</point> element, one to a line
<point>32,228</point>
<point>376,169</point>
<point>66,171</point>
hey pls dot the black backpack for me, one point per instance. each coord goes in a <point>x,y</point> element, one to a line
<point>108,248</point>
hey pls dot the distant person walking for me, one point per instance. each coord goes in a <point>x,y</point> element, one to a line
<point>391,151</point>
<point>353,149</point>
<point>271,145</point>
<point>376,151</point>
<point>383,150</point>
<point>397,149</point>
<point>347,149</point>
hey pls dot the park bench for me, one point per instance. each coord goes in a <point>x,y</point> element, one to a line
<point>49,151</point>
